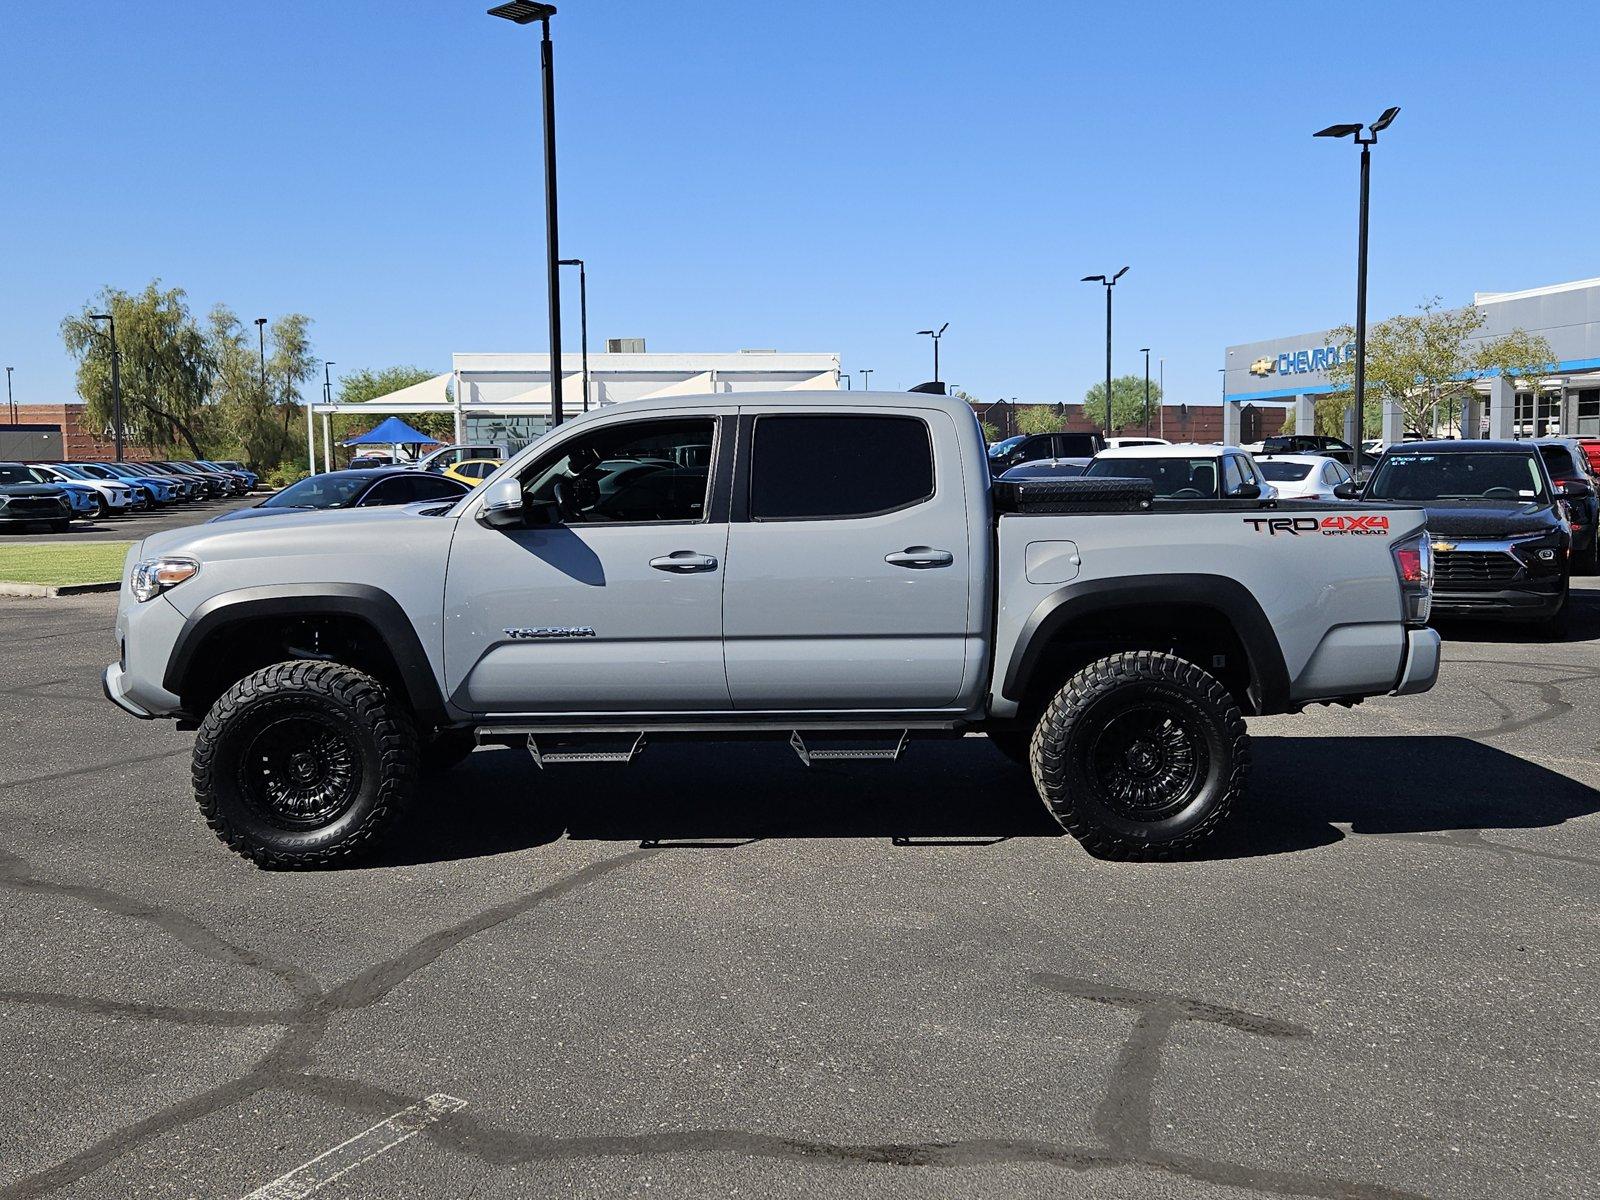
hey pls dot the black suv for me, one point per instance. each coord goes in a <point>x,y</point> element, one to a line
<point>1031,447</point>
<point>1567,463</point>
<point>1500,540</point>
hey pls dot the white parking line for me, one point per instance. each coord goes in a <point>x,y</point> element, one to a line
<point>365,1146</point>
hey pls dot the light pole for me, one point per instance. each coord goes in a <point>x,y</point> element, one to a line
<point>1365,142</point>
<point>1109,284</point>
<point>1161,411</point>
<point>866,378</point>
<point>10,403</point>
<point>116,383</point>
<point>935,335</point>
<point>1146,350</point>
<point>583,320</point>
<point>525,12</point>
<point>261,338</point>
<point>845,375</point>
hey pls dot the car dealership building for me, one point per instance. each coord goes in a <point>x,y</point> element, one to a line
<point>1294,369</point>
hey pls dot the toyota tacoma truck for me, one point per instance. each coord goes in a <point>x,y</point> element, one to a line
<point>836,572</point>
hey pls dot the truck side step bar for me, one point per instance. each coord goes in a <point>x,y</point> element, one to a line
<point>810,755</point>
<point>603,748</point>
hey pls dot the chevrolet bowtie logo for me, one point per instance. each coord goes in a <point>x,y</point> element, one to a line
<point>1262,366</point>
<point>1443,547</point>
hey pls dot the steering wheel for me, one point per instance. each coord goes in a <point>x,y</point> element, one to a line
<point>1187,494</point>
<point>576,495</point>
<point>1500,493</point>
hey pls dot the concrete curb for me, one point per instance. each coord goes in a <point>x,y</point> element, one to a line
<point>36,591</point>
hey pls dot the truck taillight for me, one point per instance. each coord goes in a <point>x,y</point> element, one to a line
<point>1413,563</point>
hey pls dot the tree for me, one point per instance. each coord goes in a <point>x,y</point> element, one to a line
<point>166,366</point>
<point>1038,418</point>
<point>358,387</point>
<point>1127,402</point>
<point>1429,357</point>
<point>255,418</point>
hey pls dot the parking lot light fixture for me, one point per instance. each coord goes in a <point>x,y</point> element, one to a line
<point>1146,350</point>
<point>1108,284</point>
<point>1365,141</point>
<point>10,403</point>
<point>116,382</point>
<point>866,378</point>
<point>935,335</point>
<point>526,12</point>
<point>583,320</point>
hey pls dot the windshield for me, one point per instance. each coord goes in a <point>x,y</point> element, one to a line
<point>1283,472</point>
<point>320,491</point>
<point>12,474</point>
<point>1175,478</point>
<point>1488,475</point>
<point>93,471</point>
<point>74,472</point>
<point>1005,447</point>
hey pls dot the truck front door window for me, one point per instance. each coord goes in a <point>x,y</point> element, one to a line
<point>642,471</point>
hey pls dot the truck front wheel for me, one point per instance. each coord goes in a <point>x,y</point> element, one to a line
<point>303,764</point>
<point>1140,755</point>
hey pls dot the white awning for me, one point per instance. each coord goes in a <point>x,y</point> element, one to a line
<point>828,381</point>
<point>429,391</point>
<point>571,396</point>
<point>695,385</point>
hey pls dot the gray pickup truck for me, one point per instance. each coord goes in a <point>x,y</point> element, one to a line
<point>835,571</point>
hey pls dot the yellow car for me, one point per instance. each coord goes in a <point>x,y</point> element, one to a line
<point>474,471</point>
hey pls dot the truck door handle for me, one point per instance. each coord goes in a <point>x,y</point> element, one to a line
<point>684,562</point>
<point>919,558</point>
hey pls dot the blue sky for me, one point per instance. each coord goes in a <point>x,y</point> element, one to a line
<point>829,176</point>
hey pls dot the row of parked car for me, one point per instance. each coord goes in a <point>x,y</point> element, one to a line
<point>1509,522</point>
<point>53,495</point>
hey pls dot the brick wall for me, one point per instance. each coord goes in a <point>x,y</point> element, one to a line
<point>1175,422</point>
<point>80,443</point>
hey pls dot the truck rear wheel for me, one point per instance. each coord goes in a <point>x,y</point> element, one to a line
<point>303,764</point>
<point>1140,755</point>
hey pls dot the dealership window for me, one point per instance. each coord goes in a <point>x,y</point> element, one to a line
<point>1588,401</point>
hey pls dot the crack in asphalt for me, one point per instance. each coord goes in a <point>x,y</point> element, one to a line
<point>132,760</point>
<point>1122,1119</point>
<point>306,1022</point>
<point>1473,839</point>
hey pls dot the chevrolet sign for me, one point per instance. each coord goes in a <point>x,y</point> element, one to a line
<point>1263,367</point>
<point>1311,361</point>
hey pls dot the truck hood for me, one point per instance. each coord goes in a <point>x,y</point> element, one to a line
<point>292,532</point>
<point>1487,519</point>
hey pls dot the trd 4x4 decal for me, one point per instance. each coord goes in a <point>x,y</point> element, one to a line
<point>1367,524</point>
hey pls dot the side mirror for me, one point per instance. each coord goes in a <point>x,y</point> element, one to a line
<point>1246,491</point>
<point>1347,491</point>
<point>1574,489</point>
<point>502,507</point>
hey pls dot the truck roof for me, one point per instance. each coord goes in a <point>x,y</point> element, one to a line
<point>797,399</point>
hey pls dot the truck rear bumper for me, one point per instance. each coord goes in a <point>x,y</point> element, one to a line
<point>1421,667</point>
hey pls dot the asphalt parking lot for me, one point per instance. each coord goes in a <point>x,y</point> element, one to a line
<point>716,973</point>
<point>131,527</point>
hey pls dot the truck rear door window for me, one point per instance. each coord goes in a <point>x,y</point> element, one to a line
<point>831,467</point>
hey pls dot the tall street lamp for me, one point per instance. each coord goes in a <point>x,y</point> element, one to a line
<point>1365,141</point>
<point>1146,350</point>
<point>525,12</point>
<point>261,337</point>
<point>1109,284</point>
<point>327,382</point>
<point>845,375</point>
<point>10,403</point>
<point>583,320</point>
<point>116,383</point>
<point>866,378</point>
<point>935,335</point>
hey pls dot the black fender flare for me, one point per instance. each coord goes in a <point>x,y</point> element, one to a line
<point>1269,676</point>
<point>373,605</point>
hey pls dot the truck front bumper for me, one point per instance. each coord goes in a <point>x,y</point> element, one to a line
<point>1421,668</point>
<point>115,685</point>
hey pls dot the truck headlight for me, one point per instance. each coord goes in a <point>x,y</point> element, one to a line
<point>152,576</point>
